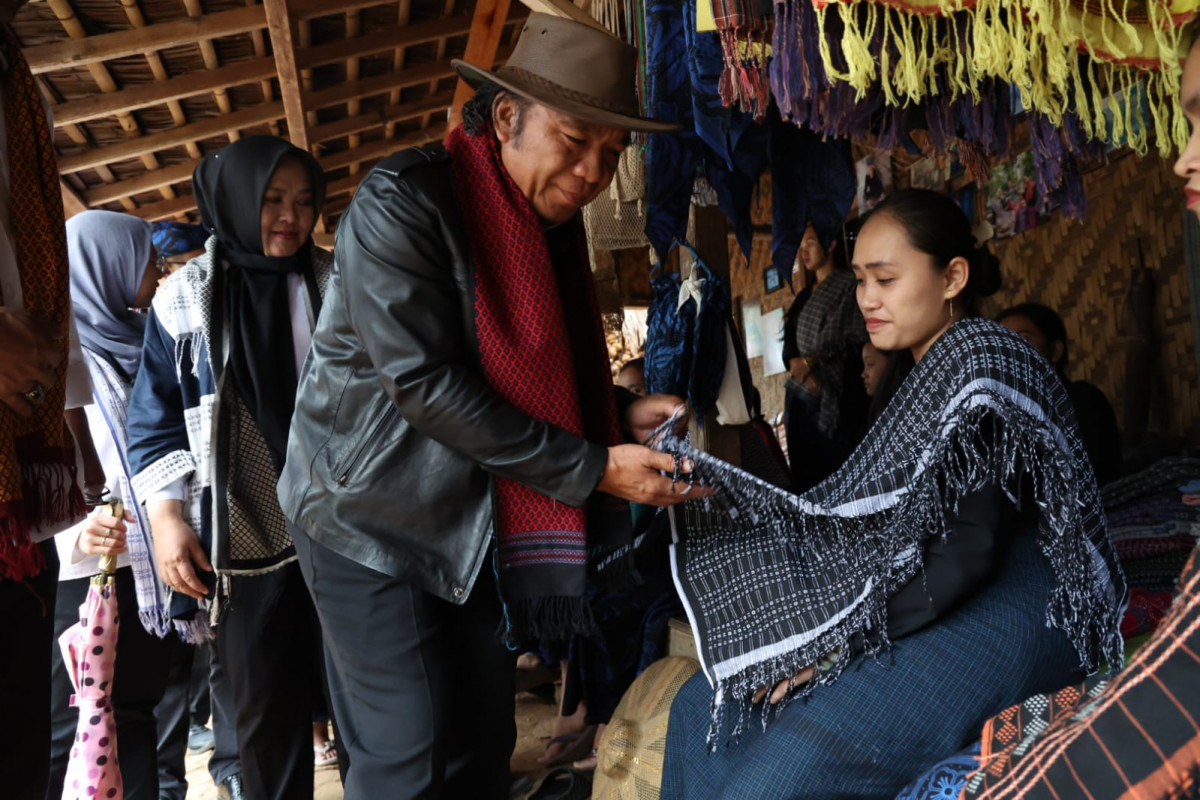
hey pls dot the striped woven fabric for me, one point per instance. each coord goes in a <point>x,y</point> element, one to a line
<point>1135,736</point>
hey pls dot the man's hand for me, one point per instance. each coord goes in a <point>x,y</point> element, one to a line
<point>29,355</point>
<point>632,473</point>
<point>104,534</point>
<point>647,413</point>
<point>177,549</point>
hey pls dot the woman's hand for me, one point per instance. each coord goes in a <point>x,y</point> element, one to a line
<point>781,689</point>
<point>647,413</point>
<point>104,535</point>
<point>177,549</point>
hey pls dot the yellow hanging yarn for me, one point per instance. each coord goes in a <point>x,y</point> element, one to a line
<point>1050,51</point>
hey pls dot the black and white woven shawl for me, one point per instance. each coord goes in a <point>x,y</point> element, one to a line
<point>772,581</point>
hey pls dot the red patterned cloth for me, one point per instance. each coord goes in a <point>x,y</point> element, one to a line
<point>37,457</point>
<point>549,364</point>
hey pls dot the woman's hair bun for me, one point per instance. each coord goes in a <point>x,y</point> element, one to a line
<point>985,273</point>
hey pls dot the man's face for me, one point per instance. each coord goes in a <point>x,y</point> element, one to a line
<point>560,163</point>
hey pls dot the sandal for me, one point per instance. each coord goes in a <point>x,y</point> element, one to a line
<point>324,755</point>
<point>564,784</point>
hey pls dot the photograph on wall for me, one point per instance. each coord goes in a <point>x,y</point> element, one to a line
<point>1011,194</point>
<point>752,325</point>
<point>874,179</point>
<point>929,173</point>
<point>772,282</point>
<point>772,342</point>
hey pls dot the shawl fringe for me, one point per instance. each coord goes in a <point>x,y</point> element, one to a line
<point>549,618</point>
<point>984,436</point>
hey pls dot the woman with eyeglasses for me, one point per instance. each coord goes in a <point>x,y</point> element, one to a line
<point>114,273</point>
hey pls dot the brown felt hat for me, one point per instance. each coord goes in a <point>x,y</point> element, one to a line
<point>573,68</point>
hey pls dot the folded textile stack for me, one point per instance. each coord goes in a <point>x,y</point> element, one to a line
<point>1153,532</point>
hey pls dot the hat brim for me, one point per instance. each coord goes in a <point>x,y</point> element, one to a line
<point>476,77</point>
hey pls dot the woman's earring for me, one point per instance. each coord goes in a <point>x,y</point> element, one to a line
<point>951,309</point>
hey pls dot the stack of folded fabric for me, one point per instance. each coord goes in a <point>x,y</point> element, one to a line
<point>1153,531</point>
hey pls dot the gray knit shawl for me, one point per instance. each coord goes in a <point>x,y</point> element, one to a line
<point>773,581</point>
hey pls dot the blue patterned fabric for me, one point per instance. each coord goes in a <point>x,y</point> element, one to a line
<point>944,780</point>
<point>882,724</point>
<point>175,238</point>
<point>675,335</point>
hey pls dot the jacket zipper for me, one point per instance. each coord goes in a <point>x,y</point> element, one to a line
<point>352,462</point>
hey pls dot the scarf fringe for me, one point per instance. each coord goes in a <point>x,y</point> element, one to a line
<point>553,618</point>
<point>1014,444</point>
<point>1055,54</point>
<point>50,494</point>
<point>744,79</point>
<point>20,558</point>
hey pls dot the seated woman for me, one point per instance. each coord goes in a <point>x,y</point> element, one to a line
<point>961,547</point>
<point>1043,328</point>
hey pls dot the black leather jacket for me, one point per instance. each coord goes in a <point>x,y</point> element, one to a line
<point>396,434</point>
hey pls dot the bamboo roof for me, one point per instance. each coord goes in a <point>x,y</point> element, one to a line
<point>142,89</point>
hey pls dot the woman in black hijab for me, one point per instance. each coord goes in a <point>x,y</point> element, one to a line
<point>208,426</point>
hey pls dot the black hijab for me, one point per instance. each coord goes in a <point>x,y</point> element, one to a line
<point>229,186</point>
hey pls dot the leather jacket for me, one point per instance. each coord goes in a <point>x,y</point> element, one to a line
<point>396,434</point>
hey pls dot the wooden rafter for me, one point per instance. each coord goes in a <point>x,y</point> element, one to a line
<point>158,69</point>
<point>174,137</point>
<point>353,31</point>
<point>400,36</point>
<point>72,202</point>
<point>482,44</point>
<point>387,117</point>
<point>403,13</point>
<point>211,62</point>
<point>151,94</point>
<point>259,42</point>
<point>280,26</point>
<point>107,46</point>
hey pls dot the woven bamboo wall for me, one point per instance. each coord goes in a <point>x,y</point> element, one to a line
<point>1083,270</point>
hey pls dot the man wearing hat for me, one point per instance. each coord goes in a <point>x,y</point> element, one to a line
<point>457,451</point>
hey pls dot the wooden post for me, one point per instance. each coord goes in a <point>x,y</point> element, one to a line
<point>280,26</point>
<point>482,44</point>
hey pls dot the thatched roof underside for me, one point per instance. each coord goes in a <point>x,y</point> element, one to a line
<point>142,89</point>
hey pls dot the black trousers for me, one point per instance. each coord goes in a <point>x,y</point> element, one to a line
<point>422,690</point>
<point>265,644</point>
<point>196,690</point>
<point>140,676</point>
<point>28,610</point>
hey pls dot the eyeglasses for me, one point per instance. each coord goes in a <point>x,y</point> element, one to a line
<point>164,269</point>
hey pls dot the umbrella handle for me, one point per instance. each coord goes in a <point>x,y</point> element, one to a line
<point>108,563</point>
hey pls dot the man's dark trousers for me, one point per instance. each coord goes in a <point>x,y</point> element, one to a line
<point>422,689</point>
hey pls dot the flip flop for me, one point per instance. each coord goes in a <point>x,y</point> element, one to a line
<point>564,784</point>
<point>578,746</point>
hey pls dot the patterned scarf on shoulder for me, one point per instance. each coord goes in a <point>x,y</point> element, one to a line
<point>773,581</point>
<point>37,457</point>
<point>549,364</point>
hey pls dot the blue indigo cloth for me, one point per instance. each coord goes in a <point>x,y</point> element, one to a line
<point>885,721</point>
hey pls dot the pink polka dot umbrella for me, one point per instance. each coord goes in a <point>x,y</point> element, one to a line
<point>89,650</point>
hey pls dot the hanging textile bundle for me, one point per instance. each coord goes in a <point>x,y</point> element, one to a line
<point>685,334</point>
<point>1057,55</point>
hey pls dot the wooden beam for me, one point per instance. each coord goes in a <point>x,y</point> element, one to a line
<point>382,148</point>
<point>173,137</point>
<point>387,39</point>
<point>150,94</point>
<point>382,117</point>
<point>166,209</point>
<point>379,84</point>
<point>280,26</point>
<point>310,9</point>
<point>484,40</point>
<point>106,46</point>
<point>72,203</point>
<point>564,8</point>
<point>147,181</point>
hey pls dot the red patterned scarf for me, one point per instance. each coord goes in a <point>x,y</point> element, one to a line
<point>37,459</point>
<point>549,364</point>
